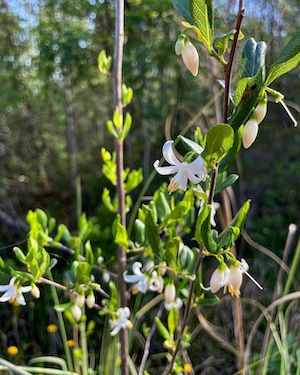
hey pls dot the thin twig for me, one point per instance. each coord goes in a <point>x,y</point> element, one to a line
<point>148,342</point>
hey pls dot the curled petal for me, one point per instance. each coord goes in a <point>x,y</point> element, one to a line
<point>194,179</point>
<point>132,278</point>
<point>6,297</point>
<point>123,312</point>
<point>136,268</point>
<point>197,166</point>
<point>165,170</point>
<point>169,154</point>
<point>116,330</point>
<point>26,289</point>
<point>3,288</point>
<point>21,300</point>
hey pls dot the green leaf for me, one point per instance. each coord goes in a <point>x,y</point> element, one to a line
<point>288,59</point>
<point>120,233</point>
<point>235,228</point>
<point>5,268</point>
<point>190,145</point>
<point>139,231</point>
<point>127,94</point>
<point>207,234</point>
<point>82,271</point>
<point>152,233</point>
<point>161,328</point>
<point>171,253</point>
<point>106,199</point>
<point>253,58</point>
<point>221,42</point>
<point>219,140</point>
<point>104,62</point>
<point>20,255</point>
<point>62,307</point>
<point>181,210</point>
<point>162,205</point>
<point>127,126</point>
<point>225,181</point>
<point>183,8</point>
<point>133,180</point>
<point>240,89</point>
<point>186,257</point>
<point>202,13</point>
<point>173,318</point>
<point>199,223</point>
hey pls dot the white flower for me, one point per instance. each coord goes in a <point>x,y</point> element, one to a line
<point>156,283</point>
<point>236,278</point>
<point>195,171</point>
<point>122,322</point>
<point>219,278</point>
<point>250,133</point>
<point>79,300</point>
<point>170,298</point>
<point>144,282</point>
<point>14,293</point>
<point>138,277</point>
<point>190,58</point>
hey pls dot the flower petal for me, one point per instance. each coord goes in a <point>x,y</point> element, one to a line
<point>6,297</point>
<point>132,278</point>
<point>3,288</point>
<point>21,300</point>
<point>165,170</point>
<point>136,268</point>
<point>26,289</point>
<point>197,166</point>
<point>182,180</point>
<point>169,154</point>
<point>194,179</point>
<point>116,330</point>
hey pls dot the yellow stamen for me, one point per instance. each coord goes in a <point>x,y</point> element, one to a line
<point>52,328</point>
<point>71,343</point>
<point>187,368</point>
<point>233,291</point>
<point>12,350</point>
<point>129,324</point>
<point>173,185</point>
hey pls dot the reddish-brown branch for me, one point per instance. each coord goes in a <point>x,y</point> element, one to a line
<point>228,72</point>
<point>119,147</point>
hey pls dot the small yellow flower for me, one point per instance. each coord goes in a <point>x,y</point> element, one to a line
<point>12,350</point>
<point>119,361</point>
<point>71,343</point>
<point>52,328</point>
<point>187,368</point>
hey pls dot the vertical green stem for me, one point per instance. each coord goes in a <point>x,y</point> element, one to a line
<point>61,325</point>
<point>84,349</point>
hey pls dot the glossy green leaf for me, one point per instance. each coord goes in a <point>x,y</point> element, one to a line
<point>152,233</point>
<point>162,204</point>
<point>139,231</point>
<point>133,180</point>
<point>181,209</point>
<point>20,255</point>
<point>288,59</point>
<point>253,58</point>
<point>183,8</point>
<point>171,253</point>
<point>219,140</point>
<point>202,13</point>
<point>199,223</point>
<point>224,181</point>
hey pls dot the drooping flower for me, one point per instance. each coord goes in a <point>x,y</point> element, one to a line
<point>250,132</point>
<point>190,58</point>
<point>122,322</point>
<point>138,277</point>
<point>219,278</point>
<point>170,298</point>
<point>76,312</point>
<point>194,171</point>
<point>236,277</point>
<point>142,281</point>
<point>13,293</point>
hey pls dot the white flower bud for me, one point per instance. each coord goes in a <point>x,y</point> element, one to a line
<point>179,45</point>
<point>219,278</point>
<point>79,300</point>
<point>190,58</point>
<point>90,300</point>
<point>261,111</point>
<point>106,277</point>
<point>170,293</point>
<point>76,312</point>
<point>35,291</point>
<point>250,133</point>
